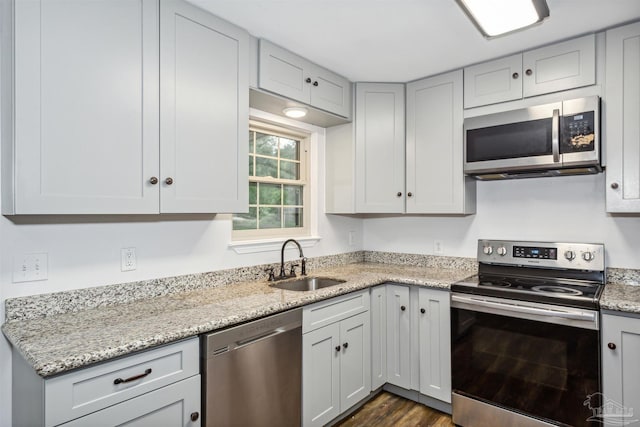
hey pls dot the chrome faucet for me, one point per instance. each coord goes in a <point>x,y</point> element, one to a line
<point>303,260</point>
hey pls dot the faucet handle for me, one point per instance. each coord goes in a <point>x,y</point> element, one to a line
<point>292,271</point>
<point>271,273</point>
<point>304,266</point>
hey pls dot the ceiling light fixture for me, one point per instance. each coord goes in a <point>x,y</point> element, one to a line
<point>295,112</point>
<point>497,17</point>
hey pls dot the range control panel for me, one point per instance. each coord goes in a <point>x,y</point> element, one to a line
<point>578,256</point>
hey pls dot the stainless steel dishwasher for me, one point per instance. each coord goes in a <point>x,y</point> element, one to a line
<point>253,373</point>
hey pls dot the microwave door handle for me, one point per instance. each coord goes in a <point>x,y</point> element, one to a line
<point>555,135</point>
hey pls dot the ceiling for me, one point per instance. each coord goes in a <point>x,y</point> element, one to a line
<point>403,40</point>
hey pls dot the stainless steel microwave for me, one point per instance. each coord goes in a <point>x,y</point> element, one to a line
<point>561,138</point>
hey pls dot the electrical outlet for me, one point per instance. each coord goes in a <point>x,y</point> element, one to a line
<point>438,249</point>
<point>30,267</point>
<point>128,259</point>
<point>352,238</point>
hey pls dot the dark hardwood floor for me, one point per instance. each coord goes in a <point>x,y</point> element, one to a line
<point>387,410</point>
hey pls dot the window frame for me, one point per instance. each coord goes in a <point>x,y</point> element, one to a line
<point>307,204</point>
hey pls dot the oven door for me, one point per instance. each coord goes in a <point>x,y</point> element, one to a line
<point>523,360</point>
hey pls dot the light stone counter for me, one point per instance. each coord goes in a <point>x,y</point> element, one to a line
<point>60,342</point>
<point>622,292</point>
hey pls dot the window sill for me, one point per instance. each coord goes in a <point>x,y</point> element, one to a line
<point>269,245</point>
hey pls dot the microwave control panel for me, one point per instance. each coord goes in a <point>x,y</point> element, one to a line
<point>578,132</point>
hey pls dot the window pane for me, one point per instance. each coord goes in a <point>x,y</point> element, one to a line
<point>245,221</point>
<point>270,218</point>
<point>292,195</point>
<point>266,167</point>
<point>289,149</point>
<point>293,217</point>
<point>270,194</point>
<point>266,144</point>
<point>250,165</point>
<point>251,136</point>
<point>289,170</point>
<point>253,193</point>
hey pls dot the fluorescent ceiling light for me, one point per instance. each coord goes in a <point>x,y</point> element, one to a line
<point>497,17</point>
<point>295,112</point>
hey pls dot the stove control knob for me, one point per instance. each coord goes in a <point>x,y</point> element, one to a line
<point>488,250</point>
<point>502,251</point>
<point>570,255</point>
<point>587,256</point>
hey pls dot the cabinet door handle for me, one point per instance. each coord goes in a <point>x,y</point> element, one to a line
<point>153,180</point>
<point>194,416</point>
<point>399,194</point>
<point>345,345</point>
<point>515,75</point>
<point>168,181</point>
<point>403,308</point>
<point>611,346</point>
<point>133,378</point>
<point>423,311</point>
<point>528,72</point>
<point>337,348</point>
<point>409,194</point>
<point>614,185</point>
<point>308,80</point>
<point>315,83</point>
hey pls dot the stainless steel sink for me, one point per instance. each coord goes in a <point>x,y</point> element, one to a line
<point>307,283</point>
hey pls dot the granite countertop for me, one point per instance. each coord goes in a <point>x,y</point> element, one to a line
<point>61,342</point>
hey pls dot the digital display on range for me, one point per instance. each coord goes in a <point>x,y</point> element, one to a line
<point>534,252</point>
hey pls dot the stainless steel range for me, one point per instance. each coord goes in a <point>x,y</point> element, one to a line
<point>525,335</point>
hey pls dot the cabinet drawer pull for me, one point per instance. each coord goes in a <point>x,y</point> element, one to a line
<point>133,378</point>
<point>515,75</point>
<point>345,345</point>
<point>528,72</point>
<point>409,194</point>
<point>195,416</point>
<point>168,181</point>
<point>315,83</point>
<point>403,308</point>
<point>611,345</point>
<point>308,80</point>
<point>423,311</point>
<point>399,194</point>
<point>153,180</point>
<point>614,185</point>
<point>337,348</point>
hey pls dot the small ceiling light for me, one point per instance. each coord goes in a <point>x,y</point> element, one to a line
<point>497,17</point>
<point>295,112</point>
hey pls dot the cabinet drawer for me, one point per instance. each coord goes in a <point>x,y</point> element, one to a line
<point>88,390</point>
<point>334,310</point>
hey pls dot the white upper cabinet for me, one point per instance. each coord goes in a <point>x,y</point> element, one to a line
<point>553,68</point>
<point>204,111</point>
<point>434,151</point>
<point>292,76</point>
<point>113,116</point>
<point>622,119</point>
<point>380,141</point>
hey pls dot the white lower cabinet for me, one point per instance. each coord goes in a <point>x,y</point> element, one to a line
<point>336,364</point>
<point>398,336</point>
<point>620,367</point>
<point>378,336</point>
<point>151,388</point>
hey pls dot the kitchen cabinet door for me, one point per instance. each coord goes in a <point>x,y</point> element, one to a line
<point>204,112</point>
<point>435,343</point>
<point>330,92</point>
<point>176,405</point>
<point>495,81</point>
<point>560,66</point>
<point>435,180</point>
<point>398,336</point>
<point>620,368</point>
<point>355,360</point>
<point>380,142</point>
<point>321,350</point>
<point>378,336</point>
<point>622,100</point>
<point>85,107</point>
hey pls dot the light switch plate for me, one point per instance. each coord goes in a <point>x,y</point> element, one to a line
<point>30,267</point>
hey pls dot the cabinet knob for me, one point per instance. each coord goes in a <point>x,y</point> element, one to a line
<point>515,75</point>
<point>153,180</point>
<point>528,72</point>
<point>168,181</point>
<point>614,185</point>
<point>423,311</point>
<point>403,308</point>
<point>409,194</point>
<point>315,83</point>
<point>399,194</point>
<point>308,80</point>
<point>337,348</point>
<point>611,346</point>
<point>195,416</point>
<point>345,345</point>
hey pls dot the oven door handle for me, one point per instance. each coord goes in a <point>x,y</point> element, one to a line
<point>569,314</point>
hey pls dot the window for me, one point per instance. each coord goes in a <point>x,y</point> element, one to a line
<point>278,185</point>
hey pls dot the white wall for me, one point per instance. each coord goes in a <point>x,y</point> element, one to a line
<point>85,251</point>
<point>547,209</point>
